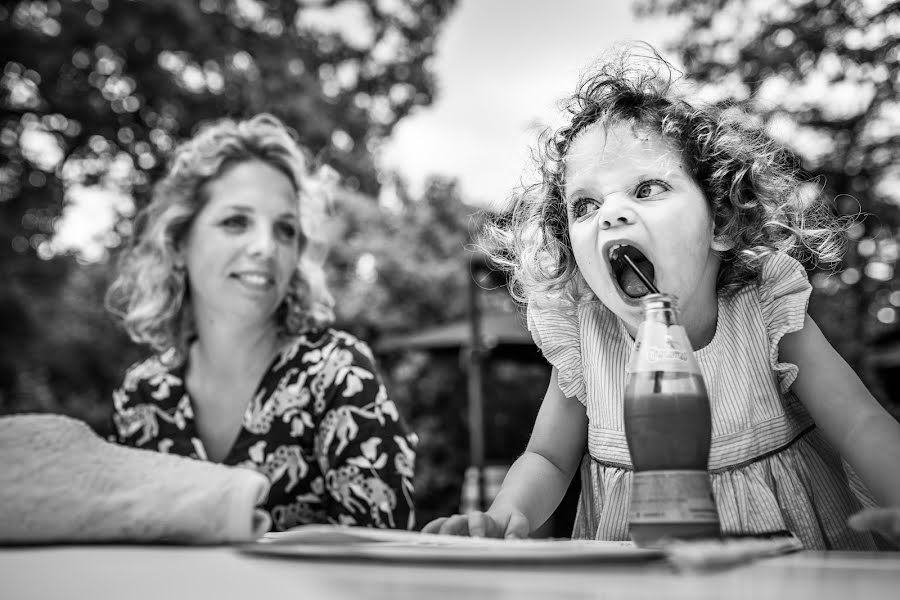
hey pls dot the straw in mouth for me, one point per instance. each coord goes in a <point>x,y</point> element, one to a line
<point>640,274</point>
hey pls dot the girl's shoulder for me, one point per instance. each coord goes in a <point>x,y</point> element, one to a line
<point>772,307</point>
<point>571,332</point>
<point>782,282</point>
<point>782,276</point>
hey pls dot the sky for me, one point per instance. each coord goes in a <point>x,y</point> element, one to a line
<point>501,68</point>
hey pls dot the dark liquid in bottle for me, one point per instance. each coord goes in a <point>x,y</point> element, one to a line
<point>668,427</point>
<point>666,430</point>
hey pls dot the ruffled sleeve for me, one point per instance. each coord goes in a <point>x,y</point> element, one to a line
<point>783,296</point>
<point>555,327</point>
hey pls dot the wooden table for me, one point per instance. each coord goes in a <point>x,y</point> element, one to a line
<point>222,573</point>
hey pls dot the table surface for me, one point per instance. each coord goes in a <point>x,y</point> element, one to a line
<point>154,572</point>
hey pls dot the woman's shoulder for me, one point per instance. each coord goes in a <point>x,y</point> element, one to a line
<point>329,338</point>
<point>151,369</point>
<point>156,379</point>
<point>322,344</point>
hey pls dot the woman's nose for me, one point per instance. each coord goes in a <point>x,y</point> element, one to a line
<point>262,243</point>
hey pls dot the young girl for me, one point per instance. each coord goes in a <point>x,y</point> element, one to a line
<point>713,213</point>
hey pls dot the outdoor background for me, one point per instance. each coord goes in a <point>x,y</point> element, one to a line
<point>426,109</point>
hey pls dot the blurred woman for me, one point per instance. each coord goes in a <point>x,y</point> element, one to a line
<point>221,283</point>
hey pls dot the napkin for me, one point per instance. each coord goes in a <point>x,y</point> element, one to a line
<point>60,482</point>
<point>720,553</point>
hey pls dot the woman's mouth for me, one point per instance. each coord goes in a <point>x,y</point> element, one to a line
<point>255,279</point>
<point>627,280</point>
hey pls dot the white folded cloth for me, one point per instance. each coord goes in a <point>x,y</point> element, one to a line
<point>60,482</point>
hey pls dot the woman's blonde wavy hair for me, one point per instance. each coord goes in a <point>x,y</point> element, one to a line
<point>150,295</point>
<point>753,186</point>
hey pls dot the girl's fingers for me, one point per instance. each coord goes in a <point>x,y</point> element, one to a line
<point>480,525</point>
<point>434,526</point>
<point>885,521</point>
<point>456,525</point>
<point>517,527</point>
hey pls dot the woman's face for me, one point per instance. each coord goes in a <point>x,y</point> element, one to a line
<point>244,244</point>
<point>629,192</point>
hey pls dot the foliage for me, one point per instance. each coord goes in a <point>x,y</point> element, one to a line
<point>823,76</point>
<point>401,266</point>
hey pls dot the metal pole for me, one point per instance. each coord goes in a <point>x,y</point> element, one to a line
<point>474,380</point>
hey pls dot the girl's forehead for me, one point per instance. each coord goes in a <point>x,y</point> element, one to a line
<point>621,133</point>
<point>619,144</point>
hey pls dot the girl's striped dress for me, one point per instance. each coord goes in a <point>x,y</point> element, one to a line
<point>771,469</point>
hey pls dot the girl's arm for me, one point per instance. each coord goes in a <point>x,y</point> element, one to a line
<point>538,479</point>
<point>864,433</point>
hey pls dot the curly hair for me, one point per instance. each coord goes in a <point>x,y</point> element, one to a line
<point>150,295</point>
<point>754,188</point>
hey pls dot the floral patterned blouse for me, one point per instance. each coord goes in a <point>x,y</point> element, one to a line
<point>320,426</point>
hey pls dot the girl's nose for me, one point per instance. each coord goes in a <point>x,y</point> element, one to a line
<point>616,214</point>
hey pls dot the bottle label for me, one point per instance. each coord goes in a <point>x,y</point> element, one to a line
<point>661,348</point>
<point>672,497</point>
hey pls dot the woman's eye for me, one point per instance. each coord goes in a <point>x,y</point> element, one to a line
<point>648,189</point>
<point>235,222</point>
<point>287,232</point>
<point>583,207</point>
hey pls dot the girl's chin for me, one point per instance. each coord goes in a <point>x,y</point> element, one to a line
<point>627,309</point>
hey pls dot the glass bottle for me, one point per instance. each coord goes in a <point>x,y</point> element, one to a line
<point>668,428</point>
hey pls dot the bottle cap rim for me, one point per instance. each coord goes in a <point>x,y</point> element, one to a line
<point>659,301</point>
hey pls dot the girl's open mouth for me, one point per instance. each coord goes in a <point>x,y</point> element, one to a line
<point>630,284</point>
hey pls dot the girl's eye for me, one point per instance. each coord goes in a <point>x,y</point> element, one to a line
<point>648,189</point>
<point>236,222</point>
<point>286,232</point>
<point>583,207</point>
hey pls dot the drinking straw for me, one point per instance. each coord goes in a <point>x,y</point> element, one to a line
<point>640,275</point>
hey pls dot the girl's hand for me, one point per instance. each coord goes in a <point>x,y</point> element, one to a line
<point>493,524</point>
<point>885,521</point>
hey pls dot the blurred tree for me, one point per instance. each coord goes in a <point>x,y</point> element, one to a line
<point>823,76</point>
<point>401,265</point>
<point>94,94</point>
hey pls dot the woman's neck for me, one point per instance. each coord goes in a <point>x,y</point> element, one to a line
<point>227,348</point>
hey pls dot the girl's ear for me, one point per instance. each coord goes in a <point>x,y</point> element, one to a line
<point>720,243</point>
<point>178,258</point>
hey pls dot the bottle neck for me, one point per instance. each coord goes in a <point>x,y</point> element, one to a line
<point>666,316</point>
